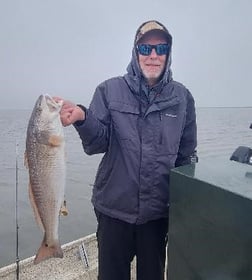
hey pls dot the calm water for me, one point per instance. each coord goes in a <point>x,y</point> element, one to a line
<point>220,132</point>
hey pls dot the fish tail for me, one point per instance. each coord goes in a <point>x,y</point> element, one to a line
<point>45,252</point>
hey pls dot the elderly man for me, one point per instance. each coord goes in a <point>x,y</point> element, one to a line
<point>144,122</point>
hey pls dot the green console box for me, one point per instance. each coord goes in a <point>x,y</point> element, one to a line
<point>210,227</point>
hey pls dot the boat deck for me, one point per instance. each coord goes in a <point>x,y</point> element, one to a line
<point>70,267</point>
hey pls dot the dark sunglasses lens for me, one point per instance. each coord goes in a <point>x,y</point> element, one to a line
<point>162,49</point>
<point>145,49</point>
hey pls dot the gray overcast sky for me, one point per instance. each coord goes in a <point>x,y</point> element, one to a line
<point>67,47</point>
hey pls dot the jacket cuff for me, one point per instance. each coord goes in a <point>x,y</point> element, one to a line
<point>79,123</point>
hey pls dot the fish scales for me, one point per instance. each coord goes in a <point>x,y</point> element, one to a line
<point>45,158</point>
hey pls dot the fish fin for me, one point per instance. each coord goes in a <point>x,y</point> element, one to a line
<point>35,209</point>
<point>45,252</point>
<point>63,209</point>
<point>26,160</point>
<point>44,137</point>
<point>55,140</point>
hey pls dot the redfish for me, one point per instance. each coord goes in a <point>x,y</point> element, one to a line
<point>45,159</point>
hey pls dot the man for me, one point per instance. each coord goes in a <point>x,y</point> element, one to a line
<point>145,124</point>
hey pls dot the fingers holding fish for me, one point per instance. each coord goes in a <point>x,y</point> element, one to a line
<point>70,112</point>
<point>57,99</point>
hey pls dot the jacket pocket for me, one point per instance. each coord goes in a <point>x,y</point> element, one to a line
<point>124,123</point>
<point>124,107</point>
<point>171,127</point>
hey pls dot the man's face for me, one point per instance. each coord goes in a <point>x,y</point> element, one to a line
<point>152,65</point>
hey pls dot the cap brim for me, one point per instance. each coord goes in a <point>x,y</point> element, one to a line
<point>157,33</point>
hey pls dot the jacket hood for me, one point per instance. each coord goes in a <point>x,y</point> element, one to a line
<point>134,76</point>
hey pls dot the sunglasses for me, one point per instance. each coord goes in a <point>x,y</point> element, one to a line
<point>146,49</point>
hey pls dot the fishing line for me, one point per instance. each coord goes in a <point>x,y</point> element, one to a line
<point>17,225</point>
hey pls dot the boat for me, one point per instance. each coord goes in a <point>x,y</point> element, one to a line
<point>80,261</point>
<point>71,266</point>
<point>210,229</point>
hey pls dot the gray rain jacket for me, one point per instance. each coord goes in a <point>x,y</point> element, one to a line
<point>142,138</point>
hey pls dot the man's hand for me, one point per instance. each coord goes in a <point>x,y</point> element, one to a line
<point>70,112</point>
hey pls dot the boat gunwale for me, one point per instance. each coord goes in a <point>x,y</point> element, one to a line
<point>11,268</point>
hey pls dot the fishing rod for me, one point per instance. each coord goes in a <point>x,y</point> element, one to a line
<point>84,257</point>
<point>17,225</point>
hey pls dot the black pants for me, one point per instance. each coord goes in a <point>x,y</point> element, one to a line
<point>119,242</point>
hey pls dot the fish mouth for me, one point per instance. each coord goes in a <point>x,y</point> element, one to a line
<point>46,101</point>
<point>51,103</point>
<point>49,99</point>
